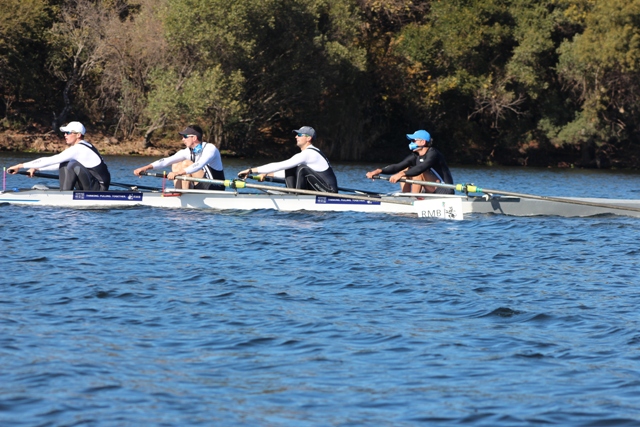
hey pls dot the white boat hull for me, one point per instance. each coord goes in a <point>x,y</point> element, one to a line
<point>449,208</point>
<point>426,206</point>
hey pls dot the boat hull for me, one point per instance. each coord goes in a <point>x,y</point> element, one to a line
<point>425,206</point>
<point>517,206</point>
<point>574,207</point>
<point>449,208</point>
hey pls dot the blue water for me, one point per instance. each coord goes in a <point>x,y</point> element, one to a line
<point>157,317</point>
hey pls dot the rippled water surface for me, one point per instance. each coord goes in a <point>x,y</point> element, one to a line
<point>157,317</point>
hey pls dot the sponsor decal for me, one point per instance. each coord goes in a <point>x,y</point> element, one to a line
<point>325,200</point>
<point>125,196</point>
<point>445,212</point>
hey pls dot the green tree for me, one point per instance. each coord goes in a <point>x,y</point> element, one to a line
<point>135,48</point>
<point>22,29</point>
<point>456,69</point>
<point>602,65</point>
<point>77,50</point>
<point>270,65</point>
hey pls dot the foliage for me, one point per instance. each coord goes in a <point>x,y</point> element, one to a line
<point>490,79</point>
<point>602,67</point>
<point>22,35</point>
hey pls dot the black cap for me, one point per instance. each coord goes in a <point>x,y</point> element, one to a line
<point>192,130</point>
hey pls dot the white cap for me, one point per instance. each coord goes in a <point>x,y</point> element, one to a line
<point>75,127</point>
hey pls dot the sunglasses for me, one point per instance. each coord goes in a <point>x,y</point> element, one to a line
<point>186,136</point>
<point>69,133</point>
<point>302,134</point>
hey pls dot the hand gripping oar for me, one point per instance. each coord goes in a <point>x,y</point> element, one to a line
<point>238,183</point>
<point>282,181</point>
<point>469,188</point>
<point>115,184</point>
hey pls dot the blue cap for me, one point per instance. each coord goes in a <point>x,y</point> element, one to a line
<point>420,134</point>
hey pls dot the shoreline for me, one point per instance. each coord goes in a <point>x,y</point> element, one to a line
<point>52,143</point>
<point>49,143</point>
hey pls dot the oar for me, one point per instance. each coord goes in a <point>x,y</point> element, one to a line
<point>469,188</point>
<point>116,184</point>
<point>238,183</point>
<point>282,181</point>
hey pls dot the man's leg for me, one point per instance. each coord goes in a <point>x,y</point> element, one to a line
<point>291,177</point>
<point>74,175</point>
<point>180,183</point>
<point>424,176</point>
<point>309,179</point>
<point>67,178</point>
<point>405,187</point>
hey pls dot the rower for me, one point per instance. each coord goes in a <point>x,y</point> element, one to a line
<point>425,163</point>
<point>308,170</point>
<point>198,160</point>
<point>79,167</point>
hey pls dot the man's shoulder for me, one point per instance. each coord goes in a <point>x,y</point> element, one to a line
<point>209,146</point>
<point>314,151</point>
<point>83,143</point>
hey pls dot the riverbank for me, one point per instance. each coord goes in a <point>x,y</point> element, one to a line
<point>54,143</point>
<point>606,156</point>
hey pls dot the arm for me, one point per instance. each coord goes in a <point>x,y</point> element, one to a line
<point>53,161</point>
<point>373,173</point>
<point>138,171</point>
<point>45,163</point>
<point>12,170</point>
<point>399,170</point>
<point>294,161</point>
<point>298,159</point>
<point>405,163</point>
<point>430,160</point>
<point>164,162</point>
<point>392,169</point>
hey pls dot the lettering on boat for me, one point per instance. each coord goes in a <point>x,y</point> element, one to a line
<point>325,200</point>
<point>433,213</point>
<point>445,212</point>
<point>133,196</point>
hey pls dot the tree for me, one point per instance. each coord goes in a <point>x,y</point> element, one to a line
<point>602,67</point>
<point>135,47</point>
<point>22,27</point>
<point>78,48</point>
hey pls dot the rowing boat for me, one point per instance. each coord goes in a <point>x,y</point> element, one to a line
<point>485,200</point>
<point>425,206</point>
<point>569,207</point>
<point>247,196</point>
<point>445,208</point>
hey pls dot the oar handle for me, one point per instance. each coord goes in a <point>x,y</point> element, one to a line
<point>115,184</point>
<point>39,174</point>
<point>465,188</point>
<point>156,174</point>
<point>267,178</point>
<point>238,184</point>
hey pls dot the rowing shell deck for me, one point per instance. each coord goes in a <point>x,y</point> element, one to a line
<point>582,207</point>
<point>569,207</point>
<point>449,208</point>
<point>426,206</point>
